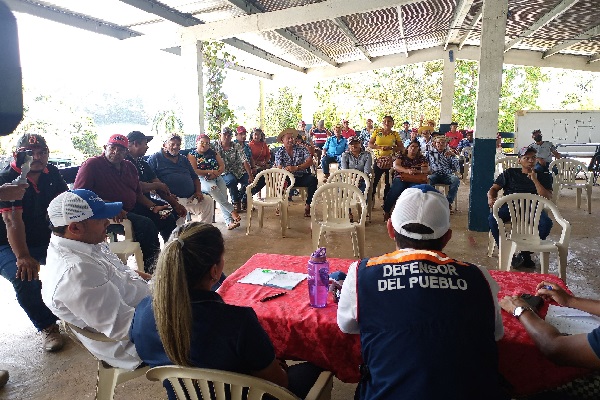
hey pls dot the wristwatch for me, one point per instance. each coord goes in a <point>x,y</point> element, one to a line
<point>152,208</point>
<point>520,310</point>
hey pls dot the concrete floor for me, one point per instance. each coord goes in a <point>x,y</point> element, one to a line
<point>71,373</point>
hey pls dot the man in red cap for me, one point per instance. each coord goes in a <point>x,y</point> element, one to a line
<point>113,178</point>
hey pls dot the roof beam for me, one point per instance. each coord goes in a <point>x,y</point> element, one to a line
<point>555,13</point>
<point>350,35</point>
<point>187,20</point>
<point>279,19</point>
<point>513,57</point>
<point>250,8</point>
<point>595,31</point>
<point>67,17</point>
<point>252,49</point>
<point>462,9</point>
<point>164,11</point>
<point>401,29</point>
<point>470,28</point>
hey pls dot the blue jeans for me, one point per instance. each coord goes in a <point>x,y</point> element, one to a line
<point>398,186</point>
<point>146,234</point>
<point>237,195</point>
<point>29,293</point>
<point>326,160</point>
<point>451,180</point>
<point>217,189</point>
<point>544,226</point>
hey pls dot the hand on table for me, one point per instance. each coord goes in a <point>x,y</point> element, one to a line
<point>509,303</point>
<point>556,293</point>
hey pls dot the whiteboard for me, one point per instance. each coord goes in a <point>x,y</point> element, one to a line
<point>558,126</point>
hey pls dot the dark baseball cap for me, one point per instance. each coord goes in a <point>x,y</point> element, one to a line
<point>137,136</point>
<point>525,150</point>
<point>31,140</point>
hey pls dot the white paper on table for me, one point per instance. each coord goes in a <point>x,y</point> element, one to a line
<point>570,320</point>
<point>275,278</point>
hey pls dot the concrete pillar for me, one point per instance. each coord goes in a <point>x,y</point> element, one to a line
<point>486,114</point>
<point>447,88</point>
<point>261,103</point>
<point>193,94</point>
<point>309,100</point>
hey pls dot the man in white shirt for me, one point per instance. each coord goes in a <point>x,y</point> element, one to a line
<point>85,283</point>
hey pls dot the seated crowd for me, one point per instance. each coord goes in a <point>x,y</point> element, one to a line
<point>157,195</point>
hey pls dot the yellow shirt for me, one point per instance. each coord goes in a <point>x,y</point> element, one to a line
<point>391,139</point>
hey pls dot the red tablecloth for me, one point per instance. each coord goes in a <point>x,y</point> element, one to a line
<point>301,332</point>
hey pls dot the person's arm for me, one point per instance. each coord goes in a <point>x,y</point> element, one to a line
<point>556,154</point>
<point>12,192</point>
<point>565,299</point>
<point>573,350</point>
<point>146,202</point>
<point>345,157</point>
<point>27,266</point>
<point>541,190</point>
<point>368,163</point>
<point>275,373</point>
<point>192,161</point>
<point>85,176</point>
<point>347,314</point>
<point>372,144</point>
<point>492,194</point>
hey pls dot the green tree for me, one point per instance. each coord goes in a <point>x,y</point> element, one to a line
<point>85,138</point>
<point>283,109</point>
<point>166,123</point>
<point>216,107</point>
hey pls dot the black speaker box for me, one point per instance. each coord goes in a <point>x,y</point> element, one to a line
<point>11,80</point>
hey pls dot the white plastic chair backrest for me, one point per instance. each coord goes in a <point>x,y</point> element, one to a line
<point>508,162</point>
<point>336,200</point>
<point>275,182</point>
<point>567,170</point>
<point>351,177</point>
<point>188,383</point>
<point>126,227</point>
<point>525,211</point>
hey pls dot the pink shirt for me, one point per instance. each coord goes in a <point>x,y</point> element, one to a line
<point>456,138</point>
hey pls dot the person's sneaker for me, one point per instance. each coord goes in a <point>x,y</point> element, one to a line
<point>3,377</point>
<point>53,340</point>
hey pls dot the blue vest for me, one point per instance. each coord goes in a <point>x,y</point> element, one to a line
<point>427,328</point>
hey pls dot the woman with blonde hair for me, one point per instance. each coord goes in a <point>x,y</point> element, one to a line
<point>185,323</point>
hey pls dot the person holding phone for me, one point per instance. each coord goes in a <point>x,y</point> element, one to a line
<point>521,180</point>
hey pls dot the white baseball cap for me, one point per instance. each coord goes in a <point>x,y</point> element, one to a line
<point>422,204</point>
<point>79,205</point>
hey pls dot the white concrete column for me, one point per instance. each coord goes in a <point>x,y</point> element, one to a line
<point>261,103</point>
<point>490,68</point>
<point>447,88</point>
<point>193,90</point>
<point>309,100</point>
<point>486,115</point>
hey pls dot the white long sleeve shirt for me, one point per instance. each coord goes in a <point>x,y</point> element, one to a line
<point>88,286</point>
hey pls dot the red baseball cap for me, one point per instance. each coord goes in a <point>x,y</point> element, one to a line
<point>119,139</point>
<point>241,129</point>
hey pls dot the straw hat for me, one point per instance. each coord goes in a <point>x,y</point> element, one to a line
<point>284,132</point>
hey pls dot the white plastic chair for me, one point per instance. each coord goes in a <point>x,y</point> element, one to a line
<point>128,246</point>
<point>444,188</point>
<point>504,163</point>
<point>276,195</point>
<point>201,383</point>
<point>353,177</point>
<point>566,178</point>
<point>525,210</point>
<point>108,377</point>
<point>336,199</point>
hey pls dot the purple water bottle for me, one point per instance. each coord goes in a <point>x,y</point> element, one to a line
<point>318,278</point>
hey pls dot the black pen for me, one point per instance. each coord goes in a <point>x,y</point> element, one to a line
<point>271,297</point>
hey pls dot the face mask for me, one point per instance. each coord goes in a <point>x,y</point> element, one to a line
<point>537,138</point>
